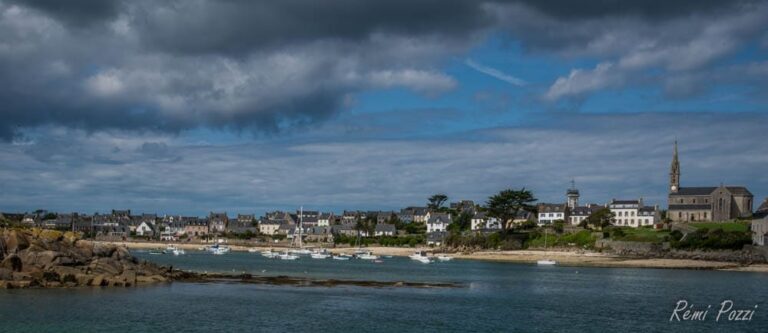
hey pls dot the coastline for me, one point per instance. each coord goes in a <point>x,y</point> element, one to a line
<point>574,259</point>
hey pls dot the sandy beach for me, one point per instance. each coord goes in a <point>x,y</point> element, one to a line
<point>576,259</point>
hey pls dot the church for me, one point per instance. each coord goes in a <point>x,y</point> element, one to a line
<point>705,204</point>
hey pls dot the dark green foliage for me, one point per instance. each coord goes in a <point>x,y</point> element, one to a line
<point>558,225</point>
<point>598,220</point>
<point>508,203</point>
<point>716,239</point>
<point>496,240</point>
<point>436,201</point>
<point>415,228</point>
<point>582,239</point>
<point>462,223</point>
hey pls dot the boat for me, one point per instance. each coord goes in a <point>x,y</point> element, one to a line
<point>320,254</point>
<point>220,250</point>
<point>342,257</point>
<point>298,235</point>
<point>444,258</point>
<point>301,251</point>
<point>270,254</point>
<point>156,252</point>
<point>253,250</point>
<point>367,256</point>
<point>287,256</point>
<point>420,256</point>
<point>170,248</point>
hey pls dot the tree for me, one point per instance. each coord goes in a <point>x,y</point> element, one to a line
<point>559,226</point>
<point>437,200</point>
<point>599,219</point>
<point>508,203</point>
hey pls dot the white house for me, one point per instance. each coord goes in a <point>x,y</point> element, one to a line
<point>632,213</point>
<point>580,213</point>
<point>549,213</point>
<point>269,227</point>
<point>438,222</point>
<point>760,225</point>
<point>145,229</point>
<point>324,219</point>
<point>384,229</point>
<point>480,221</point>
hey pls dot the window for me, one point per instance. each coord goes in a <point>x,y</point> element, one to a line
<point>705,215</point>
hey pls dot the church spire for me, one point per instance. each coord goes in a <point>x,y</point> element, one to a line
<point>674,172</point>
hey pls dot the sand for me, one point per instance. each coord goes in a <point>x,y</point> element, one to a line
<point>577,259</point>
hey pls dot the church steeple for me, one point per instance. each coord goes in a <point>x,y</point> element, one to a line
<point>674,173</point>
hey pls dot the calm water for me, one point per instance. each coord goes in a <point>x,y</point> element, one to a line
<point>497,297</point>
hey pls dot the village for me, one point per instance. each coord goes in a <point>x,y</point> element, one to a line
<point>430,224</point>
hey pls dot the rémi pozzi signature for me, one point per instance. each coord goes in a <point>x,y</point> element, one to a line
<point>725,312</point>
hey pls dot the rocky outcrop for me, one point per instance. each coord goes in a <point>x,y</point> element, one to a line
<point>48,258</point>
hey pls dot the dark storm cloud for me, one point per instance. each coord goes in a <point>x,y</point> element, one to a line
<point>270,65</point>
<point>75,12</point>
<point>240,26</point>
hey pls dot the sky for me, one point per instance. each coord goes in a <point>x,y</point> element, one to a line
<point>187,107</point>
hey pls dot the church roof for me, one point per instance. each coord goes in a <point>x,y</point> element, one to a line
<point>694,191</point>
<point>738,190</point>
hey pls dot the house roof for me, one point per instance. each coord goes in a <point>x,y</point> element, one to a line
<point>439,218</point>
<point>763,207</point>
<point>385,227</point>
<point>551,208</point>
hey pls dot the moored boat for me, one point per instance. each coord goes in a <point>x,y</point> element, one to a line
<point>288,256</point>
<point>367,256</point>
<point>546,262</point>
<point>420,256</point>
<point>444,258</point>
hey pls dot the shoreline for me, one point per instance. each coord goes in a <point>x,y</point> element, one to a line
<point>563,258</point>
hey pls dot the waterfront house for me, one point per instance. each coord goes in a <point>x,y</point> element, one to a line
<point>549,213</point>
<point>217,222</point>
<point>145,229</point>
<point>436,238</point>
<point>325,219</point>
<point>438,222</point>
<point>195,227</point>
<point>269,227</point>
<point>759,225</point>
<point>580,213</point>
<point>480,221</point>
<point>632,213</point>
<point>348,230</point>
<point>420,214</point>
<point>384,229</point>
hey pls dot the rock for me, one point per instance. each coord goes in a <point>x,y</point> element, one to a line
<point>97,281</point>
<point>51,236</point>
<point>16,241</point>
<point>103,250</point>
<point>106,266</point>
<point>12,262</point>
<point>6,274</point>
<point>53,284</point>
<point>21,276</point>
<point>84,279</point>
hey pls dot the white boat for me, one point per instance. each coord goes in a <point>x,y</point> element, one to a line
<point>155,252</point>
<point>253,250</point>
<point>178,252</point>
<point>342,257</point>
<point>367,256</point>
<point>320,254</point>
<point>420,256</point>
<point>219,251</point>
<point>301,251</point>
<point>288,256</point>
<point>444,258</point>
<point>270,254</point>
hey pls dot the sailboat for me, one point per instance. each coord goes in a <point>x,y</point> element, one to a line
<point>297,238</point>
<point>546,262</point>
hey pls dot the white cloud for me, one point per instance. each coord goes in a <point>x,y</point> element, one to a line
<point>579,81</point>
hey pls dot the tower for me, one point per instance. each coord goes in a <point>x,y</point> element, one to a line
<point>573,195</point>
<point>674,173</point>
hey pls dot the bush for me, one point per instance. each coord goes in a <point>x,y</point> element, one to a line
<point>717,239</point>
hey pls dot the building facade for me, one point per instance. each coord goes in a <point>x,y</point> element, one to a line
<point>705,204</point>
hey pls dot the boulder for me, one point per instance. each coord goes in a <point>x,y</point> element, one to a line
<point>103,250</point>
<point>106,266</point>
<point>6,274</point>
<point>97,281</point>
<point>12,262</point>
<point>16,241</point>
